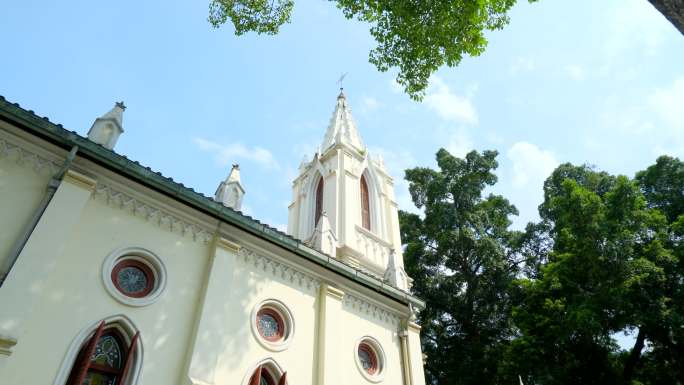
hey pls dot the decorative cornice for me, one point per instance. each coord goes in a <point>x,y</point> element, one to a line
<point>24,156</point>
<point>162,218</point>
<point>371,309</point>
<point>279,270</point>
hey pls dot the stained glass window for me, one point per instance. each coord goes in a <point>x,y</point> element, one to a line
<point>107,352</point>
<point>103,360</point>
<point>133,278</point>
<point>368,359</point>
<point>270,324</point>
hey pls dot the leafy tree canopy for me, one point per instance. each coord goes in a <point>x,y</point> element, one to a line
<point>458,255</point>
<point>416,37</point>
<point>546,304</point>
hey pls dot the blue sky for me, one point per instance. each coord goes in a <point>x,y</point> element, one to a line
<point>599,82</point>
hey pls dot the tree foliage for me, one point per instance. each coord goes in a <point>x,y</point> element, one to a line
<point>458,255</point>
<point>415,37</point>
<point>606,258</point>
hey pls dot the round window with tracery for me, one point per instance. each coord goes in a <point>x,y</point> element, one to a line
<point>368,358</point>
<point>133,278</point>
<point>270,324</point>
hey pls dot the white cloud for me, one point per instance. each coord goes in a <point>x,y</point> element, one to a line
<point>369,103</point>
<point>460,144</point>
<point>531,165</point>
<point>668,103</point>
<point>636,24</point>
<point>522,64</point>
<point>225,154</point>
<point>448,105</point>
<point>575,72</point>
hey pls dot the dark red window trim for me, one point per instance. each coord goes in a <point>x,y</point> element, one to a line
<point>365,204</point>
<point>374,357</point>
<point>261,371</point>
<point>279,319</point>
<point>319,200</point>
<point>83,365</point>
<point>128,262</point>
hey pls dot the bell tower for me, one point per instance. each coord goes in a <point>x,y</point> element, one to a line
<point>343,202</point>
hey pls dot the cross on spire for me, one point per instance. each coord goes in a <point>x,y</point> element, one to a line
<point>341,79</point>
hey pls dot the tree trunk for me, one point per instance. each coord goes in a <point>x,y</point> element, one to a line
<point>634,356</point>
<point>673,10</point>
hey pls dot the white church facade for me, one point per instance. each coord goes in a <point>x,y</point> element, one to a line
<point>111,273</point>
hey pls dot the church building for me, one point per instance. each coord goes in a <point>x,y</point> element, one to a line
<point>113,274</point>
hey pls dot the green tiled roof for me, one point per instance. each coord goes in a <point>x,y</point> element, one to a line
<point>55,133</point>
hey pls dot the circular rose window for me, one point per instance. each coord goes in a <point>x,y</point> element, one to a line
<point>270,324</point>
<point>133,278</point>
<point>368,358</point>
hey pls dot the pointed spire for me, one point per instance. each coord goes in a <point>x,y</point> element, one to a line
<point>323,238</point>
<point>342,129</point>
<point>230,191</point>
<point>107,128</point>
<point>395,275</point>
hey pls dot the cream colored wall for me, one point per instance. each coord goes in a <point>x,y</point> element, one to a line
<point>73,296</point>
<point>22,186</point>
<point>357,325</point>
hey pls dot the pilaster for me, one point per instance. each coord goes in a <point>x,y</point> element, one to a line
<point>41,254</point>
<point>212,313</point>
<point>412,354</point>
<point>329,335</point>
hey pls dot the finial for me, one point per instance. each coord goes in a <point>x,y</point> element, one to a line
<point>339,81</point>
<point>121,105</point>
<point>236,166</point>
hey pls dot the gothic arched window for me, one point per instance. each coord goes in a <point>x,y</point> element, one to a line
<point>365,204</point>
<point>104,359</point>
<point>262,376</point>
<point>319,201</point>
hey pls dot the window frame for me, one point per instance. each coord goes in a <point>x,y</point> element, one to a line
<point>365,203</point>
<point>318,203</point>
<point>83,364</point>
<point>278,318</point>
<point>131,262</point>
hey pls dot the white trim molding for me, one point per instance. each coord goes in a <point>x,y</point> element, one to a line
<point>380,356</point>
<point>288,320</point>
<point>144,256</point>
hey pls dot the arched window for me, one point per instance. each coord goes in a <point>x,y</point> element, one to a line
<point>319,200</point>
<point>365,204</point>
<point>262,376</point>
<point>104,359</point>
